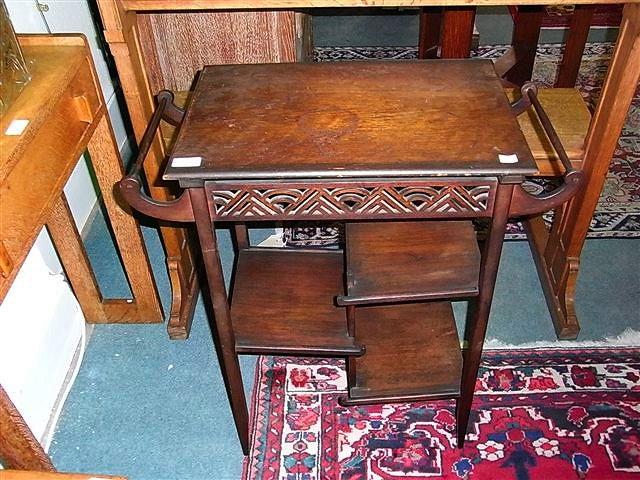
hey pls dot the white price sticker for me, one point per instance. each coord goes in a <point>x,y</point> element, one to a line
<point>182,162</point>
<point>508,158</point>
<point>16,127</point>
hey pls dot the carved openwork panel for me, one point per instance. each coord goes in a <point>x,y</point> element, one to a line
<point>352,200</point>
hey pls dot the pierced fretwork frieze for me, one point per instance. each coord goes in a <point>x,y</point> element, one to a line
<point>461,198</point>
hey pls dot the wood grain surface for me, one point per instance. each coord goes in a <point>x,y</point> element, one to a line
<point>283,301</point>
<point>19,448</point>
<point>457,31</point>
<point>570,117</point>
<point>53,66</point>
<point>412,351</point>
<point>37,164</point>
<point>141,5</point>
<point>410,261</point>
<point>562,254</point>
<point>350,119</point>
<point>177,45</point>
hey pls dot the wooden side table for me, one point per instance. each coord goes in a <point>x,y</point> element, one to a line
<point>66,115</point>
<point>356,142</point>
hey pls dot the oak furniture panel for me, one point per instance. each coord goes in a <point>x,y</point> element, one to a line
<point>67,115</point>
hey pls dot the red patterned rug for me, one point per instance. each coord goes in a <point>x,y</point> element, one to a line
<point>538,414</point>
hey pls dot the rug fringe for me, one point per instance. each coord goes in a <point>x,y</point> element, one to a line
<point>628,338</point>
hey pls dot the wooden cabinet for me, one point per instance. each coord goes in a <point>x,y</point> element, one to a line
<point>65,115</point>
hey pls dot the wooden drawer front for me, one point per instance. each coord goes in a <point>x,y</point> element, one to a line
<point>433,198</point>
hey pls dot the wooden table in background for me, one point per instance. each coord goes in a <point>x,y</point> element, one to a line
<point>155,46</point>
<point>67,115</point>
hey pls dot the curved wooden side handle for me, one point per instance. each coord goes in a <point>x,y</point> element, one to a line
<point>130,186</point>
<point>524,203</point>
<point>178,210</point>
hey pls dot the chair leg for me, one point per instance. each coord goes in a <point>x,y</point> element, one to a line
<point>526,32</point>
<point>457,31</point>
<point>429,36</point>
<point>574,47</point>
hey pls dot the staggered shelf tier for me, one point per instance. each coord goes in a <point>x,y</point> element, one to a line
<point>400,276</point>
<point>413,353</point>
<point>410,261</point>
<point>283,302</point>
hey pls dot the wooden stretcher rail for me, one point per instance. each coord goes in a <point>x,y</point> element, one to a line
<point>158,5</point>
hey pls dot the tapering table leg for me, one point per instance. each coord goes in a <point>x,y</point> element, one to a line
<point>574,47</point>
<point>526,31</point>
<point>351,361</point>
<point>482,307</point>
<point>429,36</point>
<point>241,236</point>
<point>221,323</point>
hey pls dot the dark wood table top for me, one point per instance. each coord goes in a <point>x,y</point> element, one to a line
<point>348,120</point>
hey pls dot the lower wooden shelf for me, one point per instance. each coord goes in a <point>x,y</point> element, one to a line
<point>413,353</point>
<point>283,302</point>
